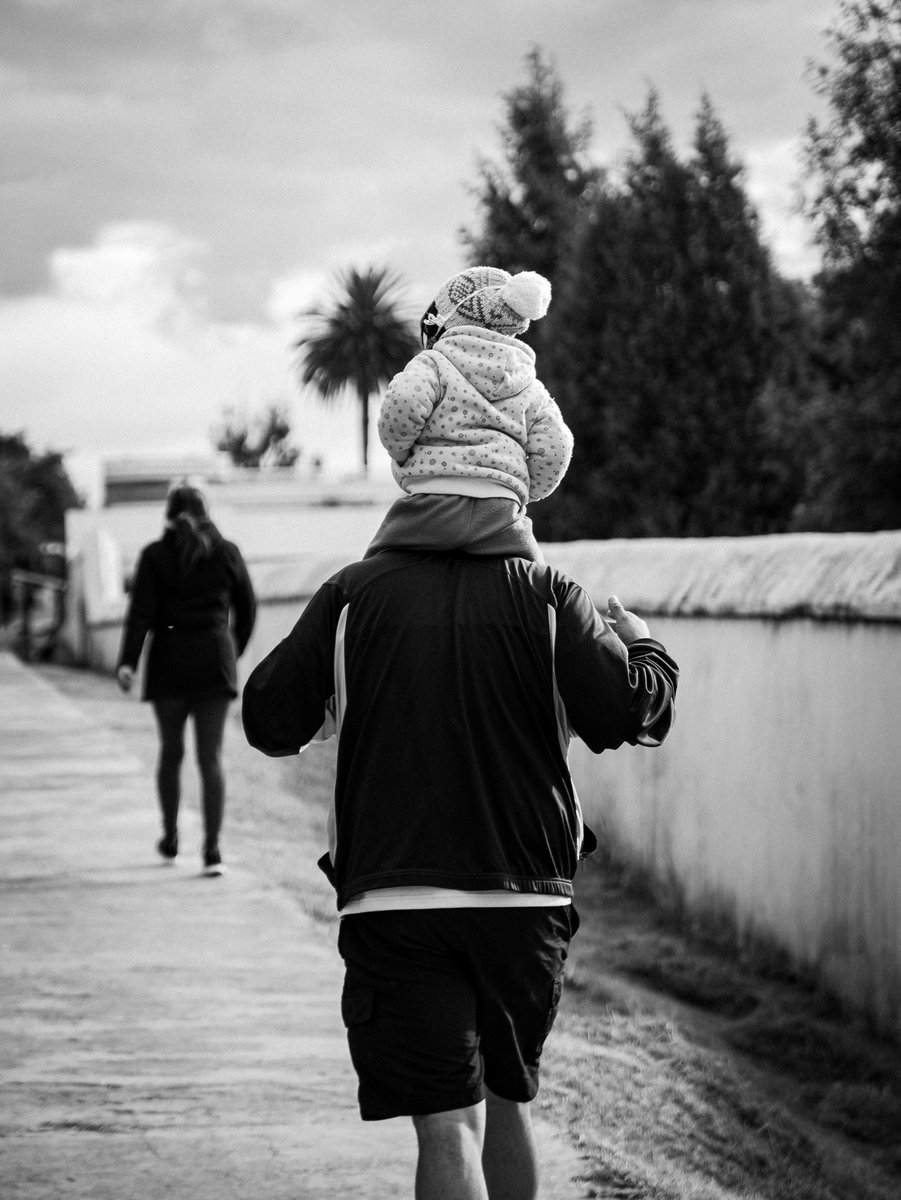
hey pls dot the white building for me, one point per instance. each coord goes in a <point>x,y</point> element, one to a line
<point>270,514</point>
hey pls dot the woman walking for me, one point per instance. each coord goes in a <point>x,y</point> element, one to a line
<point>193,595</point>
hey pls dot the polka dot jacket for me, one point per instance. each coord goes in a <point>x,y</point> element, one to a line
<point>470,415</point>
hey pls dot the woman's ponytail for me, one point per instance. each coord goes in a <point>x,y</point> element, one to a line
<point>189,519</point>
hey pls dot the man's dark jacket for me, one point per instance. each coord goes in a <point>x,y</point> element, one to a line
<point>455,683</point>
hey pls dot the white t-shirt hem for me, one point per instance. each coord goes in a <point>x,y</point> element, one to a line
<point>460,485</point>
<point>388,899</point>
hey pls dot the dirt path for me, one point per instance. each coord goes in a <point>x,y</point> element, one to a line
<point>678,1067</point>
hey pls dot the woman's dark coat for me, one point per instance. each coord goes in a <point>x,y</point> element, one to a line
<point>199,620</point>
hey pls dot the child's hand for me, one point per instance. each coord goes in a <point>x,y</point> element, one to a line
<point>627,625</point>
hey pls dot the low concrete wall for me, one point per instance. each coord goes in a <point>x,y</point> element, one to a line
<point>776,801</point>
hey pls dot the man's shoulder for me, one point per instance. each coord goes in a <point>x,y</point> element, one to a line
<point>355,575</point>
<point>538,577</point>
<point>543,577</point>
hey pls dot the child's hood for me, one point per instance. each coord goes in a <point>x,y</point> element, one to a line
<point>496,365</point>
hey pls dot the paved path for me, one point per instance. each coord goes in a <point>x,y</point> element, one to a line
<point>163,1034</point>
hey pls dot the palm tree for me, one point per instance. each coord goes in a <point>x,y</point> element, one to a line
<point>361,341</point>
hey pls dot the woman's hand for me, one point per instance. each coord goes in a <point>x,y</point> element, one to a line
<point>125,676</point>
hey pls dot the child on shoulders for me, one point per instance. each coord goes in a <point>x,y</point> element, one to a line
<point>472,432</point>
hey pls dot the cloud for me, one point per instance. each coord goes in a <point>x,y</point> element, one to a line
<point>175,30</point>
<point>772,183</point>
<point>296,292</point>
<point>120,353</point>
<point>141,269</point>
<point>267,145</point>
<point>281,133</point>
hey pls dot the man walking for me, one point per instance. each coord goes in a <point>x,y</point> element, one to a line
<point>453,683</point>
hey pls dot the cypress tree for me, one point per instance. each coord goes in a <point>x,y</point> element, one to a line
<point>853,162</point>
<point>529,202</point>
<point>661,350</point>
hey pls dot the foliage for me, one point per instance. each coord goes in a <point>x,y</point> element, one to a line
<point>35,492</point>
<point>854,200</point>
<point>264,442</point>
<point>663,351</point>
<point>853,440</point>
<point>530,202</point>
<point>360,341</point>
<point>854,160</point>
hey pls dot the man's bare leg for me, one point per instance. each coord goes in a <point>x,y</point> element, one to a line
<point>449,1166</point>
<point>509,1157</point>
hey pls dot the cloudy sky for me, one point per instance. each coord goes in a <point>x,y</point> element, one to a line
<point>179,177</point>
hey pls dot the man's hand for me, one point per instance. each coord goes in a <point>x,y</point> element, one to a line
<point>628,627</point>
<point>125,677</point>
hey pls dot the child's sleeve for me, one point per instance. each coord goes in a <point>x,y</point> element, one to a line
<point>411,396</point>
<point>549,448</point>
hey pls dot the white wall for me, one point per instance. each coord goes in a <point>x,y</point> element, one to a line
<point>264,526</point>
<point>777,798</point>
<point>272,520</point>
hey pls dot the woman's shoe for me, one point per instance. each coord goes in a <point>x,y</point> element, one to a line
<point>212,862</point>
<point>167,848</point>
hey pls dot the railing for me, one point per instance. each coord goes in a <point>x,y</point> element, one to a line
<point>38,603</point>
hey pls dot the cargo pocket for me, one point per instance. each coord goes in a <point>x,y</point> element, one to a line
<point>574,920</point>
<point>556,993</point>
<point>357,1008</point>
<point>356,1005</point>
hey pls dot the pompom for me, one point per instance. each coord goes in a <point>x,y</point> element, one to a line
<point>528,294</point>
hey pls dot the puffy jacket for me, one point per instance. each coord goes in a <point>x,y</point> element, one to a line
<point>469,416</point>
<point>455,683</point>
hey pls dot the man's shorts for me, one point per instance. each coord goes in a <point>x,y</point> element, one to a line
<point>438,1002</point>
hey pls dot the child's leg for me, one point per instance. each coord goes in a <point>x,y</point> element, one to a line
<point>411,523</point>
<point>501,527</point>
<point>486,525</point>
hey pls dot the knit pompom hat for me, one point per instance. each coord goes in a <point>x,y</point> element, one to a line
<point>493,299</point>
